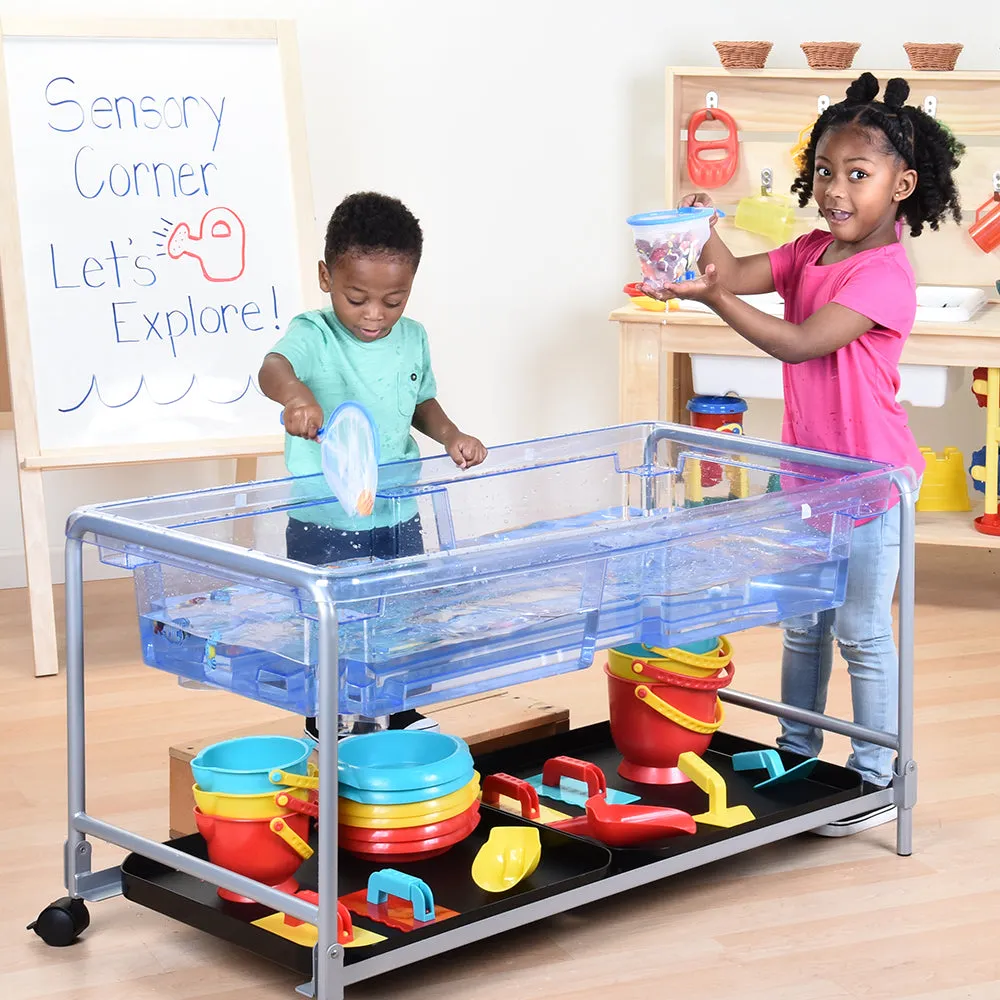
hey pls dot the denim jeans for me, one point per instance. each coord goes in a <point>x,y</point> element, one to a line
<point>320,545</point>
<point>862,626</point>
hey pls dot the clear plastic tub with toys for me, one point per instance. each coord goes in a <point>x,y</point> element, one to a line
<point>548,551</point>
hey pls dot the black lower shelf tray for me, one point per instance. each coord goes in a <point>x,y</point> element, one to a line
<point>567,862</point>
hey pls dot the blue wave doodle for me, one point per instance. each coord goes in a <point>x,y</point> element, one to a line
<point>94,390</point>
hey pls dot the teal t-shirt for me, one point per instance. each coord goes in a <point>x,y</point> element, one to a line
<point>390,377</point>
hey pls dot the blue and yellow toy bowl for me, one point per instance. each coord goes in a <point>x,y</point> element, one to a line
<point>243,766</point>
<point>404,760</point>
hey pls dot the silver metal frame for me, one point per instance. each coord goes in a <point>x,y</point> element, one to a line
<point>330,975</point>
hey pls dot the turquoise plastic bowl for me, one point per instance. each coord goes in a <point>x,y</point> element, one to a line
<point>242,766</point>
<point>402,760</point>
<point>406,796</point>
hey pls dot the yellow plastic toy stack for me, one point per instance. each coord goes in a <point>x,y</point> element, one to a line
<point>944,486</point>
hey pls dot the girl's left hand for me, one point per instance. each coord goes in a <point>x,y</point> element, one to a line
<point>702,289</point>
<point>466,451</point>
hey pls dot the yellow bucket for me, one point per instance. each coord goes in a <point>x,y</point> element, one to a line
<point>230,806</point>
<point>408,814</point>
<point>677,661</point>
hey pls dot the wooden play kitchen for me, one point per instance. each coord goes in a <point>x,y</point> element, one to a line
<point>763,117</point>
<point>401,845</point>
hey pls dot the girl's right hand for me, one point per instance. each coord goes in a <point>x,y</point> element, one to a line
<point>302,419</point>
<point>699,200</point>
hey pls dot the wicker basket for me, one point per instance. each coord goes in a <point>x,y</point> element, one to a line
<point>933,55</point>
<point>743,55</point>
<point>830,55</point>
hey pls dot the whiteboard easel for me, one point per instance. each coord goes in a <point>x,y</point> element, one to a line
<point>126,118</point>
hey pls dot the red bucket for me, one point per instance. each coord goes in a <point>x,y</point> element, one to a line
<point>652,724</point>
<point>249,847</point>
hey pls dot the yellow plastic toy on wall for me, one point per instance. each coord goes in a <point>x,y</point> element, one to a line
<point>798,151</point>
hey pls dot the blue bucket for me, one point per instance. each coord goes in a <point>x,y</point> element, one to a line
<point>242,766</point>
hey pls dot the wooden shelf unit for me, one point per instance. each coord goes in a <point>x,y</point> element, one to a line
<point>771,107</point>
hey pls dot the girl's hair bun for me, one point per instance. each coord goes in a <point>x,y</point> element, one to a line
<point>864,90</point>
<point>897,91</point>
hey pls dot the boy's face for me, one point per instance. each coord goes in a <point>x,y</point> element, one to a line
<point>368,293</point>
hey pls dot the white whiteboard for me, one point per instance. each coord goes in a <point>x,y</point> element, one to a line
<point>159,233</point>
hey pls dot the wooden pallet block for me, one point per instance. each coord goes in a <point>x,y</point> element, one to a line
<point>486,722</point>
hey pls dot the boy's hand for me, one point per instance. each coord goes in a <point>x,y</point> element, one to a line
<point>703,289</point>
<point>699,200</point>
<point>303,419</point>
<point>465,450</point>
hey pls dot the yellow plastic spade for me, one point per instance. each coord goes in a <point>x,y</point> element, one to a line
<point>509,855</point>
<point>714,785</point>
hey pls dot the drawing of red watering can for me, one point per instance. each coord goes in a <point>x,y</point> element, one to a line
<point>985,230</point>
<point>219,245</point>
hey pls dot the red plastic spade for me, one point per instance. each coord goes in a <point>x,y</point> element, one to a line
<point>625,826</point>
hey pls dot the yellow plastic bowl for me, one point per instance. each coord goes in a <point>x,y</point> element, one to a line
<point>230,806</point>
<point>398,817</point>
<point>677,661</point>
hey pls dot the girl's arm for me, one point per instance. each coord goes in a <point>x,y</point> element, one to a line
<point>303,416</point>
<point>741,275</point>
<point>825,331</point>
<point>429,418</point>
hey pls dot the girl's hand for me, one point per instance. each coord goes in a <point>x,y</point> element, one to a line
<point>465,450</point>
<point>703,289</point>
<point>302,419</point>
<point>699,200</point>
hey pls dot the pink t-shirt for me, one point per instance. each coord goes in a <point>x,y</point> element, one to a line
<point>846,402</point>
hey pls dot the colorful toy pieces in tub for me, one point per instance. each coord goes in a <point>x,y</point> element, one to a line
<point>669,243</point>
<point>405,795</point>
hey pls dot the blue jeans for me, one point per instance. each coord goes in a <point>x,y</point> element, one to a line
<point>862,626</point>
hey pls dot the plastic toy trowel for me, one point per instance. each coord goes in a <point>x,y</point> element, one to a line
<point>349,455</point>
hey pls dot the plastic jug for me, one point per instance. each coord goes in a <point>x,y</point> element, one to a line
<point>767,214</point>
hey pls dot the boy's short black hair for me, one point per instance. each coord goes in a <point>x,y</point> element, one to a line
<point>368,223</point>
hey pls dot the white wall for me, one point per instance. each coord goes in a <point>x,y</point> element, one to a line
<point>521,134</point>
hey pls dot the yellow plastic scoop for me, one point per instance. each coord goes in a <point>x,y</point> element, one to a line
<point>509,855</point>
<point>769,215</point>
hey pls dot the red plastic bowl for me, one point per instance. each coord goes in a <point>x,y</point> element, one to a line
<point>408,850</point>
<point>249,847</point>
<point>409,834</point>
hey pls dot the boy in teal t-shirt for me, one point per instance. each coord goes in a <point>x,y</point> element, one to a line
<point>361,349</point>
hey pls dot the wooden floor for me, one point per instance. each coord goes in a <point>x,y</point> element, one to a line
<point>807,919</point>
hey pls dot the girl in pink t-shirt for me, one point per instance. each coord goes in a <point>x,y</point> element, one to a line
<point>850,302</point>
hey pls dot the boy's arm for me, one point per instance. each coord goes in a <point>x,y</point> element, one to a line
<point>429,418</point>
<point>303,416</point>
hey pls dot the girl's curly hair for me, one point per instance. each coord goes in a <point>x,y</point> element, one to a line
<point>920,141</point>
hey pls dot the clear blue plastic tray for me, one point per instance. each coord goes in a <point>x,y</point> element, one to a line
<point>550,550</point>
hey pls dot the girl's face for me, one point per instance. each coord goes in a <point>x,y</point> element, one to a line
<point>859,186</point>
<point>368,293</point>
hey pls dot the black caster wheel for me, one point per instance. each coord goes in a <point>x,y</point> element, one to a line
<point>61,922</point>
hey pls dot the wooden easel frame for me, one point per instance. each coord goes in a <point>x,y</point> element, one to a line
<point>32,461</point>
